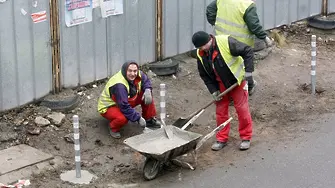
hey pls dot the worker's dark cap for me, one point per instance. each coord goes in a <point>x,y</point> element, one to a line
<point>200,38</point>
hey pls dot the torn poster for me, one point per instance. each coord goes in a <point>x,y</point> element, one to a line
<point>111,7</point>
<point>23,12</point>
<point>34,4</point>
<point>96,3</point>
<point>19,184</point>
<point>39,16</point>
<point>78,12</point>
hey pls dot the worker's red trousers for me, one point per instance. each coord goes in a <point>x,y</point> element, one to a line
<point>240,97</point>
<point>118,120</point>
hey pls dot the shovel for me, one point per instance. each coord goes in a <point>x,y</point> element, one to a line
<point>183,123</point>
<point>168,131</point>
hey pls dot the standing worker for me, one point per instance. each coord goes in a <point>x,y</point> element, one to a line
<point>237,18</point>
<point>222,62</point>
<point>124,91</point>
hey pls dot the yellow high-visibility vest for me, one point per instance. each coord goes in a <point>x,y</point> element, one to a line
<point>229,20</point>
<point>105,100</point>
<point>235,64</point>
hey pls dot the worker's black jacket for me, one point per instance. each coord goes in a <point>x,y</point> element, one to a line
<point>208,76</point>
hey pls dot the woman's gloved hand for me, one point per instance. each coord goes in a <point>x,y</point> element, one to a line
<point>147,97</point>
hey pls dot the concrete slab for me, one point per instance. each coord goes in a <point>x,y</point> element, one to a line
<point>20,156</point>
<point>70,176</point>
<point>27,172</point>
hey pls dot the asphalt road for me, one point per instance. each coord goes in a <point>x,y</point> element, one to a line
<point>305,162</point>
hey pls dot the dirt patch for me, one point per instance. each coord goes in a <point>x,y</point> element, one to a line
<point>280,107</point>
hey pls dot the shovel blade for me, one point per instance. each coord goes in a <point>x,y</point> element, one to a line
<point>168,131</point>
<point>181,122</point>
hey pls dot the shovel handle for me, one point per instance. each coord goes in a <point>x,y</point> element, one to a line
<point>210,103</point>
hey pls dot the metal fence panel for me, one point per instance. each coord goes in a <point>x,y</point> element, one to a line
<point>331,6</point>
<point>274,13</point>
<point>131,36</point>
<point>95,50</point>
<point>25,56</point>
<point>182,18</point>
<point>83,50</point>
<point>147,30</point>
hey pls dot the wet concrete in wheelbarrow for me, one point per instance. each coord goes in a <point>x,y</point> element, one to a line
<point>157,143</point>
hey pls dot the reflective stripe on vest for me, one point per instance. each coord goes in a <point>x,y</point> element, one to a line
<point>244,26</point>
<point>229,20</point>
<point>105,100</point>
<point>235,64</point>
<point>219,30</point>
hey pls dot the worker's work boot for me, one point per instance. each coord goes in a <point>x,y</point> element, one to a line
<point>218,145</point>
<point>251,89</point>
<point>116,135</point>
<point>153,123</point>
<point>245,144</point>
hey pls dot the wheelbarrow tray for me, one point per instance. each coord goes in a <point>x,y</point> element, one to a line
<point>157,145</point>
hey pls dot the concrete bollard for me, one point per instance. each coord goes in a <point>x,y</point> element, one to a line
<point>162,102</point>
<point>76,145</point>
<point>313,64</point>
<point>77,176</point>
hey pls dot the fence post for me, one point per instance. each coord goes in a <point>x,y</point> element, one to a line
<point>76,145</point>
<point>313,63</point>
<point>324,10</point>
<point>159,30</point>
<point>55,45</point>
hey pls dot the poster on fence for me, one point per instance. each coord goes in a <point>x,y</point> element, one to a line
<point>96,3</point>
<point>78,12</point>
<point>39,16</point>
<point>111,7</point>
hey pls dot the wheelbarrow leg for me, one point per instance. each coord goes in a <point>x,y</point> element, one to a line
<point>195,157</point>
<point>182,164</point>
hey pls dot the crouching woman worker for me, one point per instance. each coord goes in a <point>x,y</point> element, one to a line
<point>123,92</point>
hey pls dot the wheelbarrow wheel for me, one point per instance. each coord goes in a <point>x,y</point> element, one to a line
<point>151,168</point>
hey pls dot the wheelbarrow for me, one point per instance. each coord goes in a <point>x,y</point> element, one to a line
<point>160,150</point>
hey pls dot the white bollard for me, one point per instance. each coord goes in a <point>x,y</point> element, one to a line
<point>313,64</point>
<point>162,102</point>
<point>77,176</point>
<point>76,145</point>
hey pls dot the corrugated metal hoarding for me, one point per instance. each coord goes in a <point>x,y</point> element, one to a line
<point>274,13</point>
<point>331,6</point>
<point>95,50</point>
<point>25,53</point>
<point>182,18</point>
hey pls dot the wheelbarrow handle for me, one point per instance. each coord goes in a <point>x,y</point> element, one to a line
<point>210,103</point>
<point>209,135</point>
